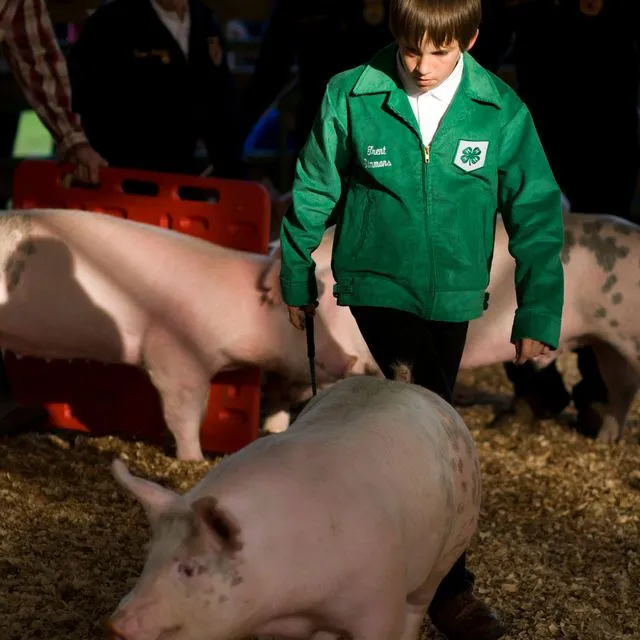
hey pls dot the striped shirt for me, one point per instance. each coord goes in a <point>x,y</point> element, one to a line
<point>30,47</point>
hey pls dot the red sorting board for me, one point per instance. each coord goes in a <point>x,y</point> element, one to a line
<point>118,399</point>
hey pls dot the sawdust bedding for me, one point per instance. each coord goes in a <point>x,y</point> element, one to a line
<point>557,551</point>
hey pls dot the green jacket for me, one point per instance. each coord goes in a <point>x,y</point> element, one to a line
<point>415,225</point>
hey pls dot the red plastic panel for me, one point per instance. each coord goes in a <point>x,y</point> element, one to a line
<point>117,399</point>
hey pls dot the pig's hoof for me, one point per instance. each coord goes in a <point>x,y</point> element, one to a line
<point>277,423</point>
<point>590,421</point>
<point>609,432</point>
<point>518,410</point>
<point>524,412</point>
<point>187,455</point>
<point>502,418</point>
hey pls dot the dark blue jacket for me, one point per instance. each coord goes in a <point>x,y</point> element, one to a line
<point>144,104</point>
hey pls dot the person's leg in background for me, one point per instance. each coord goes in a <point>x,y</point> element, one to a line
<point>433,350</point>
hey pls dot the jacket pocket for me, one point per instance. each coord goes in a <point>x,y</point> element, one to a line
<point>356,226</point>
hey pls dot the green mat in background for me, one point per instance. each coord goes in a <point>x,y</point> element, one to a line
<point>32,139</point>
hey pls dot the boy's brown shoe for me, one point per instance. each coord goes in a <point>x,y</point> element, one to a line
<point>464,617</point>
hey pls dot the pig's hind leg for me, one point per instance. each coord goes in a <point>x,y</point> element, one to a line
<point>622,382</point>
<point>183,385</point>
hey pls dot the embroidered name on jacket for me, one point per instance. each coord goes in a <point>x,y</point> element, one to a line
<point>371,161</point>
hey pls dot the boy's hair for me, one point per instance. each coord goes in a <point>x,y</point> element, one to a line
<point>441,21</point>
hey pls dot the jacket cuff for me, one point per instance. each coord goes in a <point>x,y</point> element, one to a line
<point>299,293</point>
<point>536,325</point>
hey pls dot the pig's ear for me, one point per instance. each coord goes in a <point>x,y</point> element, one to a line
<point>154,498</point>
<point>218,528</point>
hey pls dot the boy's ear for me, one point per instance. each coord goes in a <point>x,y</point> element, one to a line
<point>473,40</point>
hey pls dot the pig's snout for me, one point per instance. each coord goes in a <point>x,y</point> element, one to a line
<point>125,626</point>
<point>139,625</point>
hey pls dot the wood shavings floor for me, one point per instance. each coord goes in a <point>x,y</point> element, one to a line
<point>557,551</point>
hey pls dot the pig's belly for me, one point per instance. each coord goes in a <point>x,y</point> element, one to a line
<point>70,313</point>
<point>488,342</point>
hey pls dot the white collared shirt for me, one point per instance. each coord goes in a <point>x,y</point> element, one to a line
<point>179,29</point>
<point>429,107</point>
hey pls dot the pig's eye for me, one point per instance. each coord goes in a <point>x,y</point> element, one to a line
<point>186,569</point>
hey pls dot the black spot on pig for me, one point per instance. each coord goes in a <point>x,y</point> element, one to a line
<point>13,271</point>
<point>608,284</point>
<point>616,298</point>
<point>443,482</point>
<point>222,599</point>
<point>475,481</point>
<point>569,243</point>
<point>601,312</point>
<point>469,446</point>
<point>605,249</point>
<point>624,229</point>
<point>592,226</point>
<point>17,263</point>
<point>236,580</point>
<point>614,323</point>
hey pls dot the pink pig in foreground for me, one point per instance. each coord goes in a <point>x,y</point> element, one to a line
<point>76,284</point>
<point>344,524</point>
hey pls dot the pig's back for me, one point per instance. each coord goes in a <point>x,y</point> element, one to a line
<point>406,445</point>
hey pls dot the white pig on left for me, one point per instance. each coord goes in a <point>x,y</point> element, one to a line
<point>76,284</point>
<point>344,525</point>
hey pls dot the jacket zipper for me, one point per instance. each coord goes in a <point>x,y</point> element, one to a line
<point>426,155</point>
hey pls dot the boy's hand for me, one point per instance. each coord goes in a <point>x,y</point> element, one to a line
<point>297,314</point>
<point>528,349</point>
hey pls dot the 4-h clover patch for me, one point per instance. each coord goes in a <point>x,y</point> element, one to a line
<point>471,154</point>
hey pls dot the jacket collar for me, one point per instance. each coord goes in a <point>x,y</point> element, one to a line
<point>381,75</point>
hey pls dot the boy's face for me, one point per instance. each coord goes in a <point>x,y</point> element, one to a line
<point>430,66</point>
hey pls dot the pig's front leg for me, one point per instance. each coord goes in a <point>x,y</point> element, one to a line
<point>380,613</point>
<point>270,281</point>
<point>386,623</point>
<point>277,405</point>
<point>413,623</point>
<point>183,384</point>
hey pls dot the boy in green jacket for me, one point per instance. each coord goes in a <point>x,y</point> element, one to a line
<point>412,156</point>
